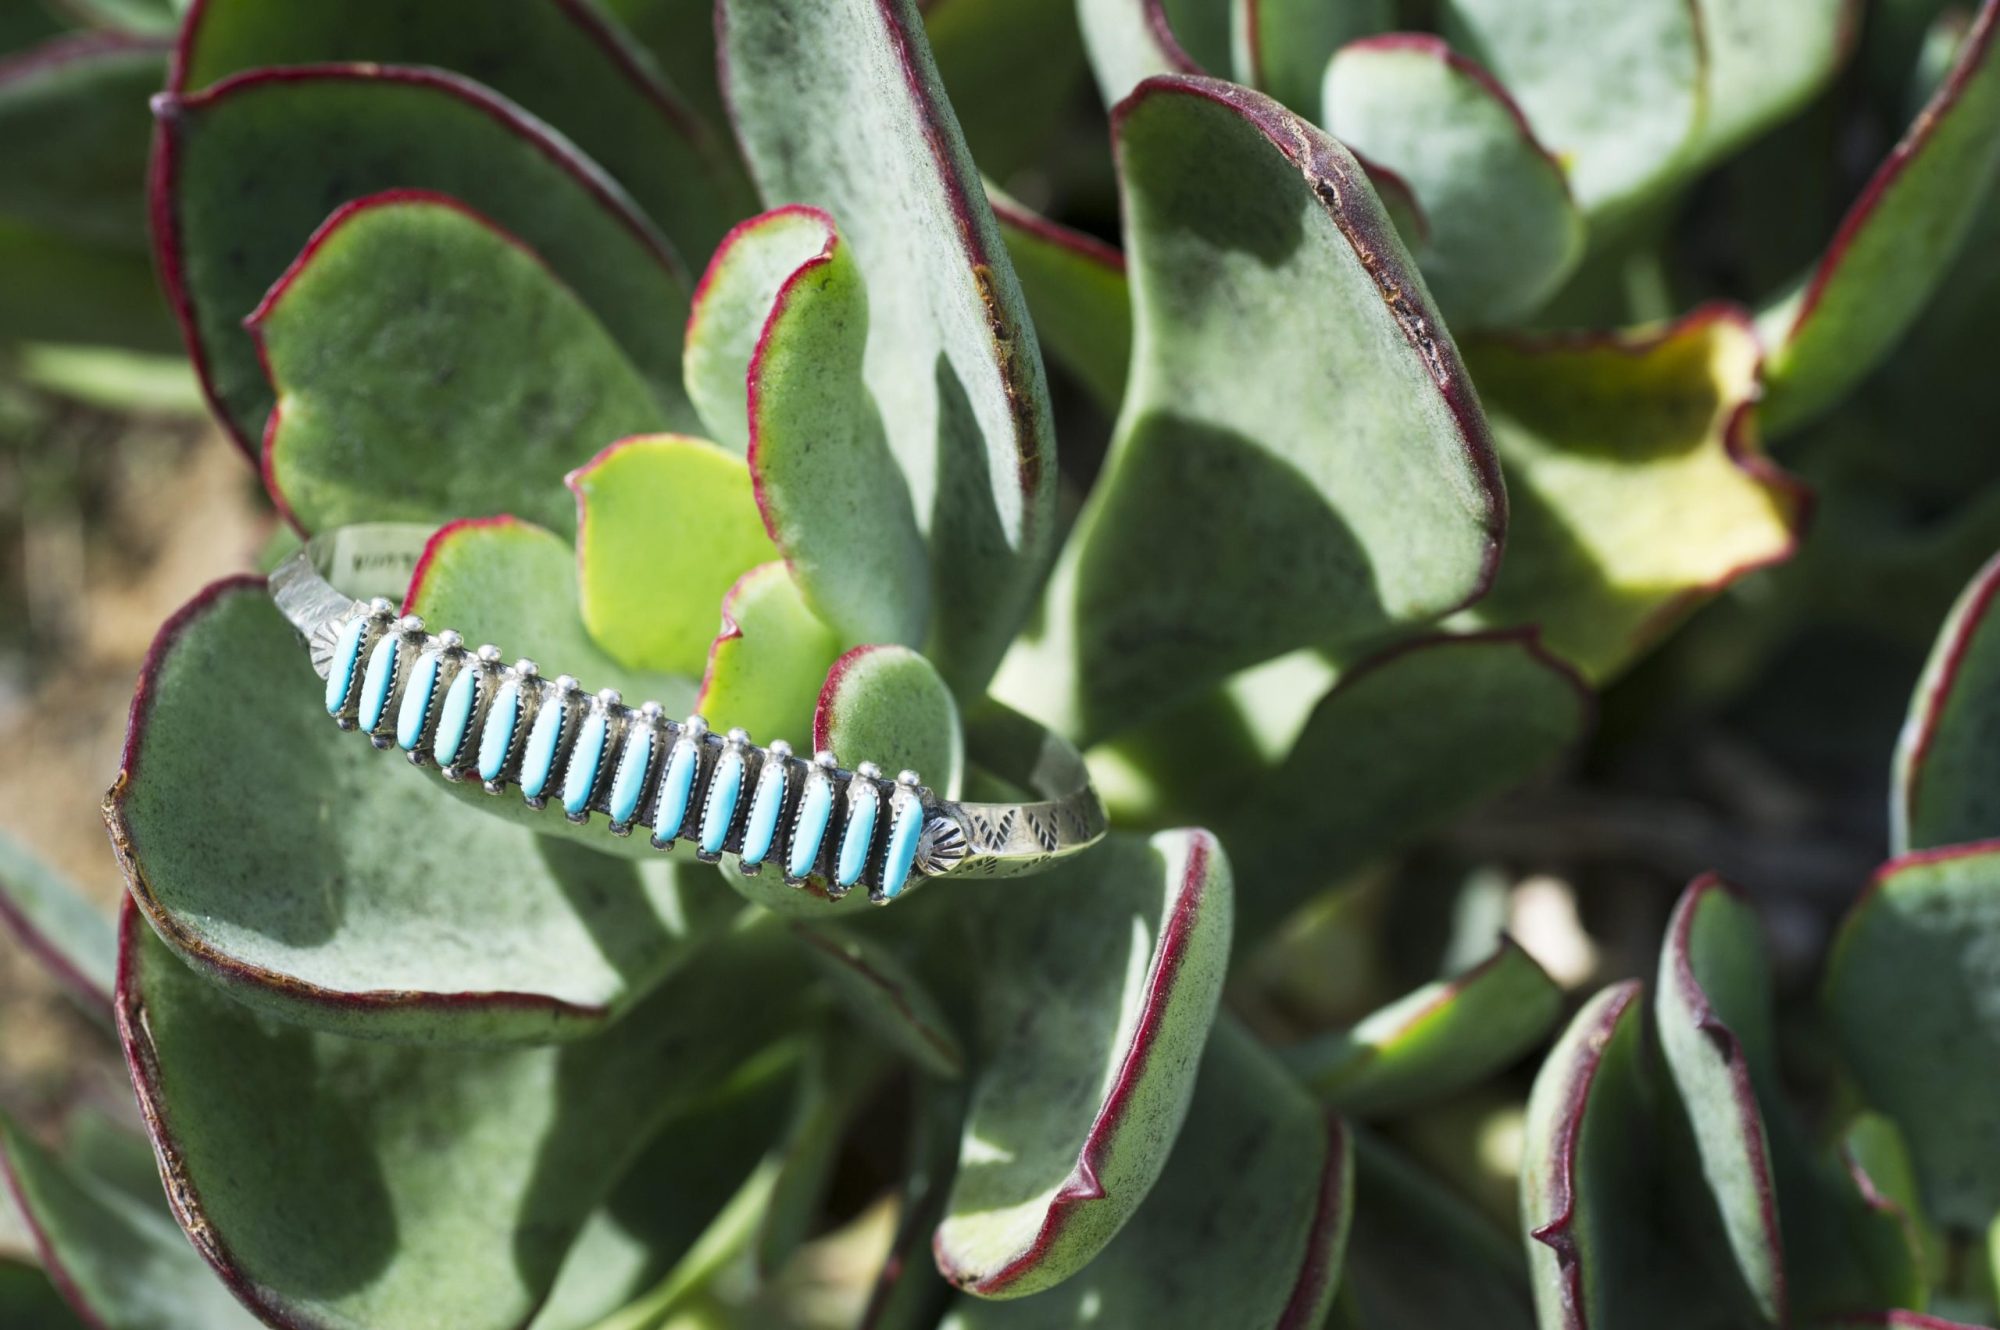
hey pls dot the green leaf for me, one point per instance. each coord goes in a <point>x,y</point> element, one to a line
<point>1282,46</point>
<point>1334,423</point>
<point>1247,1226</point>
<point>837,104</point>
<point>665,526</point>
<point>1445,1037</point>
<point>907,1293</point>
<point>679,36</point>
<point>839,1075</point>
<point>888,705</point>
<point>1761,61</point>
<point>1101,981</point>
<point>733,302</point>
<point>1895,244</point>
<point>354,1183</point>
<point>301,142</point>
<point>1077,291</point>
<point>1615,91</point>
<point>1503,232</point>
<point>766,666</point>
<point>1010,67</point>
<point>73,135</point>
<point>1637,482</point>
<point>343,889</point>
<point>54,923</point>
<point>561,62</point>
<point>56,289</point>
<point>29,1298</point>
<point>396,345</point>
<point>1420,1258</point>
<point>1128,42</point>
<point>876,986</point>
<point>827,483</point>
<point>1925,1055</point>
<point>1948,755</point>
<point>117,1256</point>
<point>1439,725</point>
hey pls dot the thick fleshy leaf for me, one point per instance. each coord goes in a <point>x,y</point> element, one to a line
<point>766,666</point>
<point>888,705</point>
<point>63,931</point>
<point>1282,46</point>
<point>679,35</point>
<point>1947,771</point>
<point>561,62</point>
<point>29,1298</point>
<point>344,1183</point>
<point>731,305</point>
<point>1087,1054</point>
<point>1335,425</point>
<point>304,141</point>
<point>837,104</point>
<point>1128,42</point>
<point>1637,484</point>
<point>118,1258</point>
<point>1800,1230</point>
<point>1503,231</point>
<point>396,344</point>
<point>1421,1258</point>
<point>839,1073</point>
<point>1438,726</point>
<point>342,888</point>
<point>876,986</point>
<point>1614,90</point>
<point>1895,244</point>
<point>1009,67</point>
<point>1445,1037</point>
<point>1247,1225</point>
<point>830,489</point>
<point>1926,1055</point>
<point>1077,291</point>
<point>73,131</point>
<point>665,526</point>
<point>56,289</point>
<point>907,1293</point>
<point>1715,1023</point>
<point>1761,61</point>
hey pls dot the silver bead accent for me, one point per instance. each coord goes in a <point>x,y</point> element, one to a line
<point>941,847</point>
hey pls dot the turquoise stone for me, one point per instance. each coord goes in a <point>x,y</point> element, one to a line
<point>455,717</point>
<point>501,723</point>
<point>379,681</point>
<point>346,657</point>
<point>815,811</point>
<point>538,760</point>
<point>904,833</point>
<point>417,699</point>
<point>725,787</point>
<point>586,761</point>
<point>630,782</point>
<point>675,788</point>
<point>859,835</point>
<point>764,810</point>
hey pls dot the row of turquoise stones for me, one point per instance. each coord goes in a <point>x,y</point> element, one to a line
<point>451,730</point>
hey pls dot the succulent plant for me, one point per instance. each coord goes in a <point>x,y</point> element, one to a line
<point>1424,397</point>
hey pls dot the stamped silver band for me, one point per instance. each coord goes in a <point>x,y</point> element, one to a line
<point>474,717</point>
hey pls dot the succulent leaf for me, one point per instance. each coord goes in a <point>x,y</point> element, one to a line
<point>1503,231</point>
<point>117,1257</point>
<point>1282,46</point>
<point>1896,243</point>
<point>563,63</point>
<point>1445,1037</point>
<point>1086,1056</point>
<point>1272,1179</point>
<point>73,137</point>
<point>443,1183</point>
<point>830,490</point>
<point>679,37</point>
<point>1948,756</point>
<point>874,984</point>
<point>767,665</point>
<point>29,1297</point>
<point>888,705</point>
<point>395,345</point>
<point>1637,484</point>
<point>1128,42</point>
<point>45,913</point>
<point>304,141</point>
<point>61,290</point>
<point>1932,913</point>
<point>665,527</point>
<point>1336,426</point>
<point>372,901</point>
<point>1077,291</point>
<point>1010,67</point>
<point>838,105</point>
